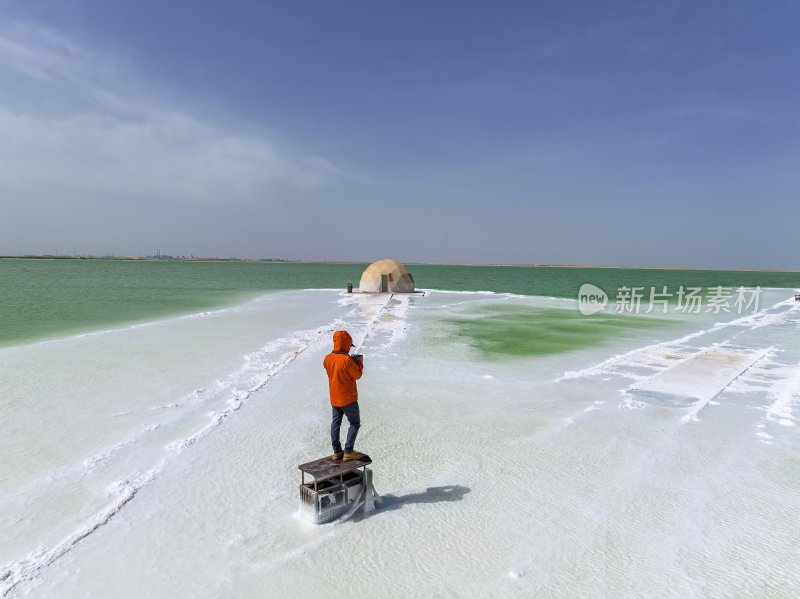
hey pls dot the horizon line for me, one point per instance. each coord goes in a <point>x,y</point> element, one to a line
<point>296,261</point>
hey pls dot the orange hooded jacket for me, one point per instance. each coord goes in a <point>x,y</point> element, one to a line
<point>343,371</point>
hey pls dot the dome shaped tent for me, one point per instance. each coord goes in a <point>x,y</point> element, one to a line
<point>386,276</point>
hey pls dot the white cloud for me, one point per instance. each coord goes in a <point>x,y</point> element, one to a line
<point>71,122</point>
<point>41,53</point>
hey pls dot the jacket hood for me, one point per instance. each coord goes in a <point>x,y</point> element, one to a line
<point>342,341</point>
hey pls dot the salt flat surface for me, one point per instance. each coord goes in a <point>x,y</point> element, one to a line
<point>699,378</point>
<point>160,460</point>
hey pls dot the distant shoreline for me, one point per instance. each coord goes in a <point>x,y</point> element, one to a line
<point>282,261</point>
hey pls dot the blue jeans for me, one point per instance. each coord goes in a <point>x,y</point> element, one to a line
<point>354,418</point>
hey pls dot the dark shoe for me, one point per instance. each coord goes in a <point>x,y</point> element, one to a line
<point>337,456</point>
<point>353,455</point>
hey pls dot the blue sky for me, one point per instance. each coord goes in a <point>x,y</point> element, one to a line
<point>635,134</point>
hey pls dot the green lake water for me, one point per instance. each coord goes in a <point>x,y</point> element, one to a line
<point>45,298</point>
<point>516,331</point>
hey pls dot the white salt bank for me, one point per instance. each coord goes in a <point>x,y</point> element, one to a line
<point>161,460</point>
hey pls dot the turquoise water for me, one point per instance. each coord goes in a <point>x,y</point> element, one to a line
<point>44,298</point>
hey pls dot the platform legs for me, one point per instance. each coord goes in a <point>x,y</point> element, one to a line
<point>369,492</point>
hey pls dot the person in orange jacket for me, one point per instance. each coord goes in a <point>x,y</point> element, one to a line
<point>343,372</point>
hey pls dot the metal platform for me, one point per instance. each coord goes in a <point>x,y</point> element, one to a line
<point>339,489</point>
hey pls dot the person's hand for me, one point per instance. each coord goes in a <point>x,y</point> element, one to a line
<point>360,361</point>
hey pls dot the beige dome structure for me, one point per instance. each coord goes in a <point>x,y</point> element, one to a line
<point>386,276</point>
